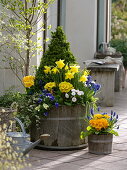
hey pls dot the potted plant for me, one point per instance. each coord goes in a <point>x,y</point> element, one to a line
<point>100,131</point>
<point>60,107</point>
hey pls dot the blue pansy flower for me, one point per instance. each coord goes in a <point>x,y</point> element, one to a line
<point>57,105</point>
<point>39,100</point>
<point>45,113</point>
<point>52,98</point>
<point>44,91</point>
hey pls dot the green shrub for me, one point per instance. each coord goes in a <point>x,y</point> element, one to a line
<point>121,46</point>
<point>8,98</point>
<point>58,49</point>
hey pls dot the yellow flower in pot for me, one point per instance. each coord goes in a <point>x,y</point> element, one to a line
<point>100,131</point>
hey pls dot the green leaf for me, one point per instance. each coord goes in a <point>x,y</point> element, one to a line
<point>68,104</point>
<point>113,132</point>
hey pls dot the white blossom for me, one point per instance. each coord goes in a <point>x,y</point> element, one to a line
<point>79,93</point>
<point>82,93</point>
<point>73,93</point>
<point>74,99</point>
<point>73,90</point>
<point>66,95</point>
<point>45,106</point>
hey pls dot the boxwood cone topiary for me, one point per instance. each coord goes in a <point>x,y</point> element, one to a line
<point>58,49</point>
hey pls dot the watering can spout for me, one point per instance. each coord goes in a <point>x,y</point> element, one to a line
<point>32,145</point>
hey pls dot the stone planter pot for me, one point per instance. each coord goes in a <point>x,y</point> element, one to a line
<point>100,144</point>
<point>64,125</point>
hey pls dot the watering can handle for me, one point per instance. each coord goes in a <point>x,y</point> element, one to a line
<point>21,125</point>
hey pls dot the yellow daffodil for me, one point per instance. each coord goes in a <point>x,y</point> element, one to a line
<point>86,73</point>
<point>49,86</point>
<point>47,69</point>
<point>55,70</point>
<point>28,81</point>
<point>60,64</point>
<point>66,67</point>
<point>83,78</point>
<point>69,75</point>
<point>65,87</point>
<point>74,69</point>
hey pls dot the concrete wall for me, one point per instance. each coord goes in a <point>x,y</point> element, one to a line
<point>81,27</point>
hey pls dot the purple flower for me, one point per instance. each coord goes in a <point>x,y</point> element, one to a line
<point>48,94</point>
<point>89,79</point>
<point>111,118</point>
<point>57,105</point>
<point>117,116</point>
<point>52,98</point>
<point>92,112</point>
<point>114,113</point>
<point>98,109</point>
<point>88,117</point>
<point>45,113</point>
<point>44,91</point>
<point>111,112</point>
<point>39,100</point>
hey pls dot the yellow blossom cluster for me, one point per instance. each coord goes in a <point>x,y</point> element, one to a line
<point>65,87</point>
<point>69,70</point>
<point>99,124</point>
<point>98,116</point>
<point>50,85</point>
<point>28,81</point>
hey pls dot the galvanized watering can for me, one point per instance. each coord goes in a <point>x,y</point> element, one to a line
<point>23,139</point>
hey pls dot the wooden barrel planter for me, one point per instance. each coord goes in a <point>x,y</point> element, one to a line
<point>64,125</point>
<point>100,144</point>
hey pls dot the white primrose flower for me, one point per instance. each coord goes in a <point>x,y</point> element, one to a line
<point>79,93</point>
<point>74,99</point>
<point>73,90</point>
<point>76,91</point>
<point>82,93</point>
<point>73,93</point>
<point>66,95</point>
<point>45,106</point>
